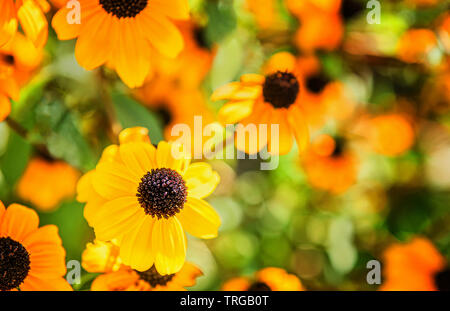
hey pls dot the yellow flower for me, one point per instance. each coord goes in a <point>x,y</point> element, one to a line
<point>104,257</point>
<point>146,198</point>
<point>124,34</point>
<point>267,279</point>
<point>31,258</point>
<point>41,183</point>
<point>274,99</point>
<point>30,14</point>
<point>18,58</point>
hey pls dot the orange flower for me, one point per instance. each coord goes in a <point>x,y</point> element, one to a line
<point>273,99</point>
<point>267,279</point>
<point>18,58</point>
<point>444,31</point>
<point>415,266</point>
<point>30,14</point>
<point>313,15</point>
<point>390,134</point>
<point>329,166</point>
<point>124,34</point>
<point>176,106</point>
<point>192,65</point>
<point>46,183</point>
<point>415,44</point>
<point>31,258</point>
<point>104,257</point>
<point>266,13</point>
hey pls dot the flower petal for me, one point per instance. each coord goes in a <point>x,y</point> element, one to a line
<point>18,222</point>
<point>201,180</point>
<point>199,219</point>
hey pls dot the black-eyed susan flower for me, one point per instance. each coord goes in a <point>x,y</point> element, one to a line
<point>267,279</point>
<point>31,16</point>
<point>31,258</point>
<point>273,99</point>
<point>18,59</point>
<point>146,197</point>
<point>103,257</point>
<point>329,165</point>
<point>124,34</point>
<point>414,266</point>
<point>41,183</point>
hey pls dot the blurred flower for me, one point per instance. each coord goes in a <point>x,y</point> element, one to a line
<point>415,266</point>
<point>266,13</point>
<point>31,258</point>
<point>30,14</point>
<point>176,106</point>
<point>145,198</point>
<point>311,34</point>
<point>267,279</point>
<point>124,34</point>
<point>45,183</point>
<point>329,165</point>
<point>271,99</point>
<point>415,44</point>
<point>444,31</point>
<point>390,134</point>
<point>191,66</point>
<point>103,257</point>
<point>18,58</point>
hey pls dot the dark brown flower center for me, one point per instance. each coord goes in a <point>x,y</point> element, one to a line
<point>259,287</point>
<point>123,8</point>
<point>152,277</point>
<point>14,264</point>
<point>281,89</point>
<point>8,59</point>
<point>164,112</point>
<point>162,192</point>
<point>339,147</point>
<point>315,84</point>
<point>442,280</point>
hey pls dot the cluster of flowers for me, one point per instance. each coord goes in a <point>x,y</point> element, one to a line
<point>141,199</point>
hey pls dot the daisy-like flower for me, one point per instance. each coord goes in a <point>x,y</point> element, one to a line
<point>31,258</point>
<point>415,266</point>
<point>18,59</point>
<point>123,34</point>
<point>267,279</point>
<point>104,257</point>
<point>329,165</point>
<point>31,16</point>
<point>41,183</point>
<point>271,99</point>
<point>146,198</point>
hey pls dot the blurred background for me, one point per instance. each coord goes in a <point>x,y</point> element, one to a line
<point>380,91</point>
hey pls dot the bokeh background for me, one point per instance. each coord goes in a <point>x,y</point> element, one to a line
<point>67,115</point>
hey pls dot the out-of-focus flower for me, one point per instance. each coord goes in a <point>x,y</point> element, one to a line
<point>177,106</point>
<point>45,183</point>
<point>146,197</point>
<point>415,266</point>
<point>18,59</point>
<point>329,165</point>
<point>273,99</point>
<point>192,65</point>
<point>31,258</point>
<point>444,31</point>
<point>390,134</point>
<point>311,34</point>
<point>103,257</point>
<point>415,44</point>
<point>30,15</point>
<point>124,34</point>
<point>266,13</point>
<point>267,279</point>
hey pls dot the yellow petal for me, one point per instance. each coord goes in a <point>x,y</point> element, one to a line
<point>299,125</point>
<point>8,21</point>
<point>201,180</point>
<point>169,242</point>
<point>177,9</point>
<point>138,157</point>
<point>33,22</point>
<point>226,91</point>
<point>199,219</point>
<point>233,112</point>
<point>112,180</point>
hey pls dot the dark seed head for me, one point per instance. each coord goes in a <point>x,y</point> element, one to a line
<point>165,114</point>
<point>8,59</point>
<point>281,89</point>
<point>162,193</point>
<point>259,287</point>
<point>442,280</point>
<point>339,147</point>
<point>123,8</point>
<point>14,264</point>
<point>317,83</point>
<point>152,277</point>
